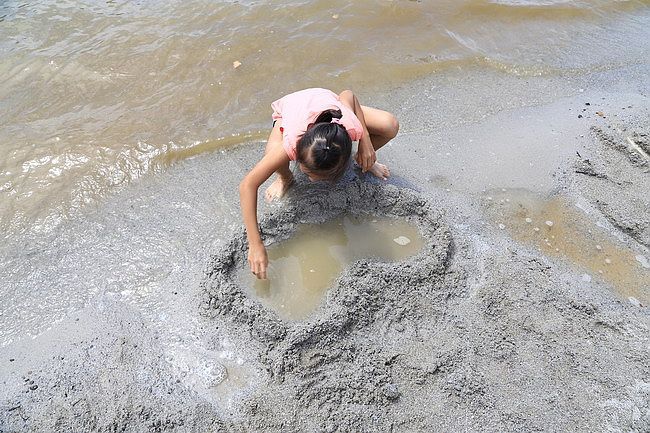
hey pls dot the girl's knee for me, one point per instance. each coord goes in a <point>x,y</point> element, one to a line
<point>393,126</point>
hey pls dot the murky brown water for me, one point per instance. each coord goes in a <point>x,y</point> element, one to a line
<point>302,268</point>
<point>560,229</point>
<point>97,93</point>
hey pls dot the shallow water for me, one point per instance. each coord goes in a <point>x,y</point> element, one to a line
<point>95,94</point>
<point>302,268</point>
<point>560,229</point>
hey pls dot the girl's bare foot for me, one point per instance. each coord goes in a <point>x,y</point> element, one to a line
<point>380,171</point>
<point>278,188</point>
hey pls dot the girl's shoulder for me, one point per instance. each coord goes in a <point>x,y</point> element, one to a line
<point>310,96</point>
<point>304,103</point>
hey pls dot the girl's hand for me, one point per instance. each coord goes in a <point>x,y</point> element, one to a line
<point>366,156</point>
<point>258,260</point>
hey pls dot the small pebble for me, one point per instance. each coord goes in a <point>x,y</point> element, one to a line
<point>402,240</point>
<point>236,64</point>
<point>634,301</point>
<point>549,223</point>
<point>335,16</point>
<point>33,387</point>
<point>608,261</point>
<point>643,260</point>
<point>536,229</point>
<point>502,226</point>
<point>391,392</point>
<point>599,248</point>
<point>529,220</point>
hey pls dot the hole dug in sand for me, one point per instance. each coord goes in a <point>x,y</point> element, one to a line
<point>302,268</point>
<point>338,233</point>
<point>325,356</point>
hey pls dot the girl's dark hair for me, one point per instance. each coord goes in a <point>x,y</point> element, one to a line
<point>325,148</point>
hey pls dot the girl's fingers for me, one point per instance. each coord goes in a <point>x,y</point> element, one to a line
<point>259,270</point>
<point>361,163</point>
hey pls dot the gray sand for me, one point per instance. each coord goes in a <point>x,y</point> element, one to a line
<point>476,333</point>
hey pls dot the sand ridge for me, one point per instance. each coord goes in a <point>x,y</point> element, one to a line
<point>324,356</point>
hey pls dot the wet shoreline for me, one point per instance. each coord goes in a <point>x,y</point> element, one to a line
<point>512,336</point>
<point>99,95</point>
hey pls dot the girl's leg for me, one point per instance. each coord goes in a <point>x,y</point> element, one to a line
<point>284,177</point>
<point>383,127</point>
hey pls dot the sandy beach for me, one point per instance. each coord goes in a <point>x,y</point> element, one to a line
<point>488,328</point>
<point>499,280</point>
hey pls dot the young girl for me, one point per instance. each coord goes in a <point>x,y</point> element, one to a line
<point>315,128</point>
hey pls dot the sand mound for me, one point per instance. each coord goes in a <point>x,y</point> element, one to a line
<point>330,368</point>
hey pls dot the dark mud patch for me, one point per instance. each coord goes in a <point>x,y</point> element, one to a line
<point>337,373</point>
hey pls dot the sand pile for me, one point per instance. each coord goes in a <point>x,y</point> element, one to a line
<point>324,358</point>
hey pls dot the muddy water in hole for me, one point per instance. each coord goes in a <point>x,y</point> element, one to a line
<point>303,267</point>
<point>558,228</point>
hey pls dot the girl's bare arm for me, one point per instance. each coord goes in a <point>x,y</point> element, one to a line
<point>366,156</point>
<point>273,159</point>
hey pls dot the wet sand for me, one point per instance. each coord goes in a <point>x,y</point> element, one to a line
<point>482,331</point>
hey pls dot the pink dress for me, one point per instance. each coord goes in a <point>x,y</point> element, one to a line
<point>297,110</point>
